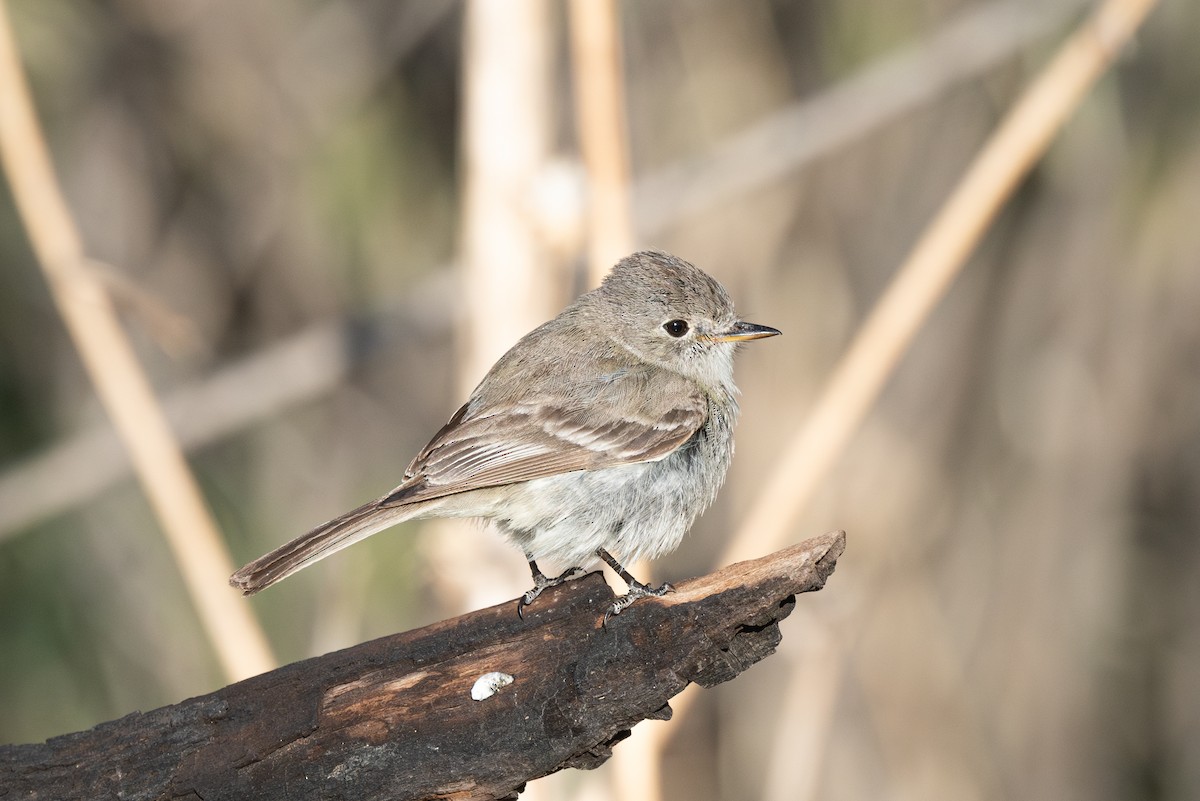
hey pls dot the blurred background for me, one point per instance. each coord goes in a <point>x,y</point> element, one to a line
<point>321,221</point>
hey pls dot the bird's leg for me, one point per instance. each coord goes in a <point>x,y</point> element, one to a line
<point>541,582</point>
<point>636,588</point>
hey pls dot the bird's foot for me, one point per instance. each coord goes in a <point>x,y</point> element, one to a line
<point>541,583</point>
<point>636,590</point>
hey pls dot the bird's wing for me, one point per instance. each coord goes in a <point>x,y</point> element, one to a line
<point>536,438</point>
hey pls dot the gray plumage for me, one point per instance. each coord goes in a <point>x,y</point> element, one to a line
<point>604,428</point>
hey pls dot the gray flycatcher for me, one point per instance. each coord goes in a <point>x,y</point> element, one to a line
<point>605,430</point>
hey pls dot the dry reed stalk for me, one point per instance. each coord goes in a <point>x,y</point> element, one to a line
<point>123,388</point>
<point>939,255</point>
<point>602,131</point>
<point>1019,141</point>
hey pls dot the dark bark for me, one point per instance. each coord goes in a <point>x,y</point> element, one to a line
<point>394,718</point>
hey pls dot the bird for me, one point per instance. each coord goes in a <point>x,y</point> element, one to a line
<point>601,435</point>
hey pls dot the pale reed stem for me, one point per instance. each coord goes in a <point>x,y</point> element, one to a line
<point>939,255</point>
<point>122,386</point>
<point>602,131</point>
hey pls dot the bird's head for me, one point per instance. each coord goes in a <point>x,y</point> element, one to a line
<point>671,314</point>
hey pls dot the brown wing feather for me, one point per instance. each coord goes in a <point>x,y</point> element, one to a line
<point>536,439</point>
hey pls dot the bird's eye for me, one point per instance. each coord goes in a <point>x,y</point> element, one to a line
<point>676,328</point>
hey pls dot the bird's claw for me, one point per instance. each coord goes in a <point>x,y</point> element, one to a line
<point>635,591</point>
<point>541,584</point>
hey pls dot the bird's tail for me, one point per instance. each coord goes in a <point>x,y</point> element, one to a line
<point>327,538</point>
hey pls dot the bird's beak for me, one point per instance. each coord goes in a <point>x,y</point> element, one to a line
<point>741,332</point>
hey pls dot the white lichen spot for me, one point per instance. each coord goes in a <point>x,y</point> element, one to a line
<point>487,684</point>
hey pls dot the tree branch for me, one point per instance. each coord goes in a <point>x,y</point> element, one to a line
<point>394,718</point>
